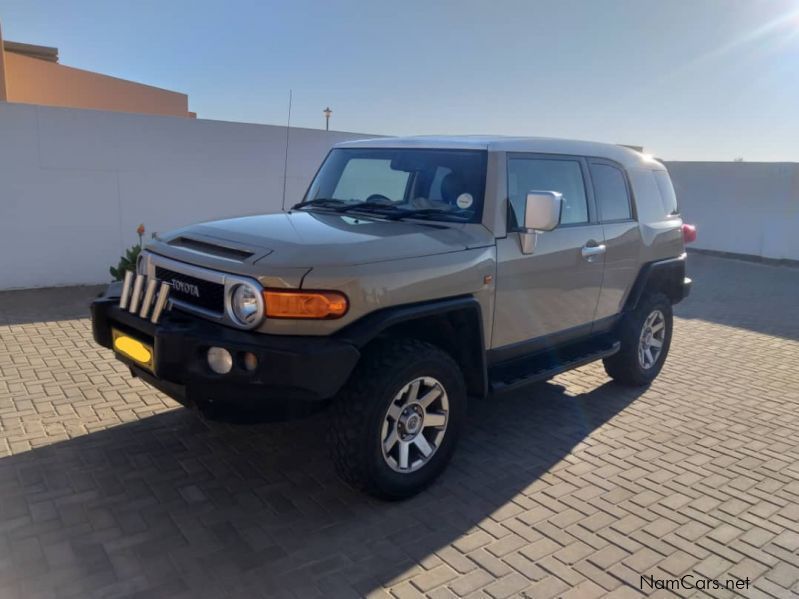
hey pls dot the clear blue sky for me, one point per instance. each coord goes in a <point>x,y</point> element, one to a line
<point>688,79</point>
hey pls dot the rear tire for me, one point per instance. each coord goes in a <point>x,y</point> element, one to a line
<point>407,398</point>
<point>645,336</point>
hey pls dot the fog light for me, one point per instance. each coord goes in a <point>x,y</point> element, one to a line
<point>250,361</point>
<point>220,360</point>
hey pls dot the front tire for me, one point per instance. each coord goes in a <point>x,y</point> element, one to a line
<point>645,336</point>
<point>397,422</point>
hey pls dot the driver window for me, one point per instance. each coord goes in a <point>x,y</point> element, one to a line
<point>537,174</point>
<point>364,177</point>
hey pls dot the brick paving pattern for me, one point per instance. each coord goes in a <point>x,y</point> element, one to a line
<point>572,488</point>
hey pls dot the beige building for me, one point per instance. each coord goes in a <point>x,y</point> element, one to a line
<point>31,74</point>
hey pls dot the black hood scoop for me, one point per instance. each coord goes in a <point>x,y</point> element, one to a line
<point>215,248</point>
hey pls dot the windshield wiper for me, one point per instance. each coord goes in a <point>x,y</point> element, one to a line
<point>343,205</point>
<point>387,211</point>
<point>422,212</point>
<point>367,207</point>
<point>324,202</point>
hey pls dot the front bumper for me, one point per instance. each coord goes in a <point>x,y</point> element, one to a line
<point>289,367</point>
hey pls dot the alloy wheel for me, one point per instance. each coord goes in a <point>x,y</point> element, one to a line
<point>414,424</point>
<point>653,336</point>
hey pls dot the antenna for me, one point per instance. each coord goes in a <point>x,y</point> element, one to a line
<point>286,158</point>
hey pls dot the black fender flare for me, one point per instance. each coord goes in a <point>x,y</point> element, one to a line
<point>463,311</point>
<point>666,276</point>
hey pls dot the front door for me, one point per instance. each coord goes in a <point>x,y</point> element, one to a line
<point>555,290</point>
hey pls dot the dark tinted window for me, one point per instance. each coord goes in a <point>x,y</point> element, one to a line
<point>610,190</point>
<point>538,174</point>
<point>448,184</point>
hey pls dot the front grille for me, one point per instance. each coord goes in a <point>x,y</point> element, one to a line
<point>194,291</point>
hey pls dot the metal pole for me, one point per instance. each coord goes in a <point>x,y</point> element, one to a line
<point>286,157</point>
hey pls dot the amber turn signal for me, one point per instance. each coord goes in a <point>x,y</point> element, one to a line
<point>305,304</point>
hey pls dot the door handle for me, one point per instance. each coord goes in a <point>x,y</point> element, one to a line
<point>591,251</point>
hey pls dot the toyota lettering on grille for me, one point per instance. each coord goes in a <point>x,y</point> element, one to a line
<point>187,288</point>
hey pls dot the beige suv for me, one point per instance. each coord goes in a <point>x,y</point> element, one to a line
<point>415,272</point>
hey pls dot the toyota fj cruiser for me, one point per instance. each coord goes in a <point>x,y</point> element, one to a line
<point>415,272</point>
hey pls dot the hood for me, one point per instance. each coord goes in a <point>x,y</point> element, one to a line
<point>308,239</point>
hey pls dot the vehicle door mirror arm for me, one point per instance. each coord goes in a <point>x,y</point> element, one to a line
<point>528,239</point>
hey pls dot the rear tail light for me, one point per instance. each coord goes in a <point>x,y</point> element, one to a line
<point>688,233</point>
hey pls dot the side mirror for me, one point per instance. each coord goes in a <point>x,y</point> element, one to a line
<point>542,210</point>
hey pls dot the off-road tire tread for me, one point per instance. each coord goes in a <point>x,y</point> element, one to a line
<point>622,366</point>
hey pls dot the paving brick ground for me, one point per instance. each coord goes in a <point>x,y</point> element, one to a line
<point>573,488</point>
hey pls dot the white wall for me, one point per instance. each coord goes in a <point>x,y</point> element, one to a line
<point>75,184</point>
<point>741,207</point>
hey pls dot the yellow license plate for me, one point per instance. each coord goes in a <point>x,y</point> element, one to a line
<point>139,352</point>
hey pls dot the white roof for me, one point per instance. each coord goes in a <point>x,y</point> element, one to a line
<point>495,143</point>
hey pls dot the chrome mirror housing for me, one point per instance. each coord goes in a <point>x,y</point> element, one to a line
<point>542,210</point>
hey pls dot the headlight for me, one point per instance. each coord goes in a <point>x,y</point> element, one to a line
<point>247,305</point>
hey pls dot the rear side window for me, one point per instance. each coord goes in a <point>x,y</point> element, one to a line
<point>611,193</point>
<point>667,195</point>
<point>539,174</point>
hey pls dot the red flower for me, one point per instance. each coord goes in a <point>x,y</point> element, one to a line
<point>140,230</point>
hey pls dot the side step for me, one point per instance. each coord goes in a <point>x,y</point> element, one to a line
<point>523,371</point>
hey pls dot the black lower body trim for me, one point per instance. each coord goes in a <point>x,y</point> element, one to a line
<point>288,367</point>
<point>516,373</point>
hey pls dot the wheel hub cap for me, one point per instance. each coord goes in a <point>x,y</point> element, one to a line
<point>653,335</point>
<point>414,424</point>
<point>411,420</point>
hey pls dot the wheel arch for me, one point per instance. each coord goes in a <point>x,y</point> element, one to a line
<point>664,276</point>
<point>453,324</point>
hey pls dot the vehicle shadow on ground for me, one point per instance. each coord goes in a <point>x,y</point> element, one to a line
<point>174,504</point>
<point>744,295</point>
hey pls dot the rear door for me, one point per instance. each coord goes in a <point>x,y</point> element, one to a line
<point>612,193</point>
<point>551,294</point>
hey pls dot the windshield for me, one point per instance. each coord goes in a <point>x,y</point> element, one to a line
<point>445,185</point>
